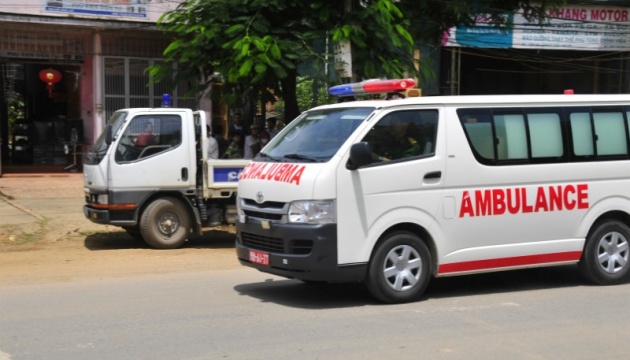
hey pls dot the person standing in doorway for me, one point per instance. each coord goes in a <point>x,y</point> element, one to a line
<point>252,143</point>
<point>271,127</point>
<point>233,151</point>
<point>213,145</point>
<point>237,128</point>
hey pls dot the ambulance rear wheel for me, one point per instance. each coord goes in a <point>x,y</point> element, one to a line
<point>165,223</point>
<point>400,268</point>
<point>606,256</point>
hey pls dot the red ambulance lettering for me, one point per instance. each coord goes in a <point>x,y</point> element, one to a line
<point>289,173</point>
<point>515,200</point>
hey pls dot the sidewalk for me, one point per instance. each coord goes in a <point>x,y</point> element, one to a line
<point>29,198</point>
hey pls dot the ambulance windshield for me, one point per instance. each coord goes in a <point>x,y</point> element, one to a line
<point>315,136</point>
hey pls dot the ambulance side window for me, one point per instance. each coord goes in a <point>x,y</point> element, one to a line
<point>404,135</point>
<point>147,136</point>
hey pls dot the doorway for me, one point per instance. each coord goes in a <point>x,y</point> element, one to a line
<point>40,116</point>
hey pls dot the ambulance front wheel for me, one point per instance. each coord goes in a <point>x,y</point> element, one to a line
<point>399,270</point>
<point>606,256</point>
<point>165,223</point>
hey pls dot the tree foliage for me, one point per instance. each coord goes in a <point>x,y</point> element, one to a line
<point>259,46</point>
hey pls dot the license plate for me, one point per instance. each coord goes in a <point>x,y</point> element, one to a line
<point>259,257</point>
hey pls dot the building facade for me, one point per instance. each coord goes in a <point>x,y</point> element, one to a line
<point>100,51</point>
<point>582,46</point>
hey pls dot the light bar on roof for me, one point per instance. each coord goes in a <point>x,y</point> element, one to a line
<point>372,87</point>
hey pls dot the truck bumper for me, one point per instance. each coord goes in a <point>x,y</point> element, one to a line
<point>108,217</point>
<point>304,252</point>
<point>97,216</point>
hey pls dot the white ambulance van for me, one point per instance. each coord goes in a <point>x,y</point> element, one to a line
<point>393,193</point>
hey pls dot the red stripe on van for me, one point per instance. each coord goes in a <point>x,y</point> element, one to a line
<point>509,262</point>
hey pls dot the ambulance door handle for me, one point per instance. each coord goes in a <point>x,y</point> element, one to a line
<point>433,175</point>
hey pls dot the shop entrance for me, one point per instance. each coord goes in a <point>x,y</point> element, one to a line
<point>479,71</point>
<point>40,119</point>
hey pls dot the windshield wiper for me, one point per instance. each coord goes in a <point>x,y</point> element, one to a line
<point>267,156</point>
<point>300,157</point>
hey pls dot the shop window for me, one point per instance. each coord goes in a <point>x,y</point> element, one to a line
<point>127,85</point>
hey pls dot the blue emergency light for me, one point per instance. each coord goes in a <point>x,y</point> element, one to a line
<point>373,86</point>
<point>166,100</point>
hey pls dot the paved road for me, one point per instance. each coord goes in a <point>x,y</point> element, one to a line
<point>244,314</point>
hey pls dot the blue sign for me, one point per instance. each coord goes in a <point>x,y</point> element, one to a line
<point>485,35</point>
<point>118,8</point>
<point>226,174</point>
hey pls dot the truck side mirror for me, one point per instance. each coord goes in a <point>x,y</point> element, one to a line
<point>360,155</point>
<point>108,134</point>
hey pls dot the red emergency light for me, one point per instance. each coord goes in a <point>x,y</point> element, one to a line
<point>372,87</point>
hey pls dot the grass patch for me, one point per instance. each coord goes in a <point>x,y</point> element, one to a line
<point>23,234</point>
<point>87,233</point>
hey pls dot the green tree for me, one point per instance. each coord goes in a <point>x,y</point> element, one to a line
<point>258,46</point>
<point>15,109</point>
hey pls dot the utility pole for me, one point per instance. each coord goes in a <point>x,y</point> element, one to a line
<point>343,53</point>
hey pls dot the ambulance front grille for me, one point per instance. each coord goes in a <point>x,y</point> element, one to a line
<point>263,215</point>
<point>277,245</point>
<point>268,210</point>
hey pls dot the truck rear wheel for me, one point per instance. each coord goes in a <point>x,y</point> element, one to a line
<point>165,223</point>
<point>400,268</point>
<point>606,257</point>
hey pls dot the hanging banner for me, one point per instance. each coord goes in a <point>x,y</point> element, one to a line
<point>573,27</point>
<point>114,8</point>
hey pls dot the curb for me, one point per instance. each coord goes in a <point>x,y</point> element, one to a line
<point>6,199</point>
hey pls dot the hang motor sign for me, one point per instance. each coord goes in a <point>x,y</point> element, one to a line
<point>584,14</point>
<point>577,27</point>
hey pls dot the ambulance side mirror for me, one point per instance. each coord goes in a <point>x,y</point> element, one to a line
<point>360,155</point>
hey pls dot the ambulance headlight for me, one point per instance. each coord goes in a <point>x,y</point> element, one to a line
<point>312,212</point>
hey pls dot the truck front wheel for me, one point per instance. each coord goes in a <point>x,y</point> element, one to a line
<point>165,223</point>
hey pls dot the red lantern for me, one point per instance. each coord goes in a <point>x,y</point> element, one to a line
<point>50,77</point>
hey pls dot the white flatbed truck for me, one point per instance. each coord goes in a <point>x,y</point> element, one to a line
<point>149,173</point>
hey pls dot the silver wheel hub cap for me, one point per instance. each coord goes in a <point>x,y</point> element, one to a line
<point>612,252</point>
<point>402,268</point>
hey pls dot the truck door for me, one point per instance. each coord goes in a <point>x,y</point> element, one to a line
<point>155,151</point>
<point>403,186</point>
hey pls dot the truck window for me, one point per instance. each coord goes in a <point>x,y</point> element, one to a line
<point>148,135</point>
<point>404,135</point>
